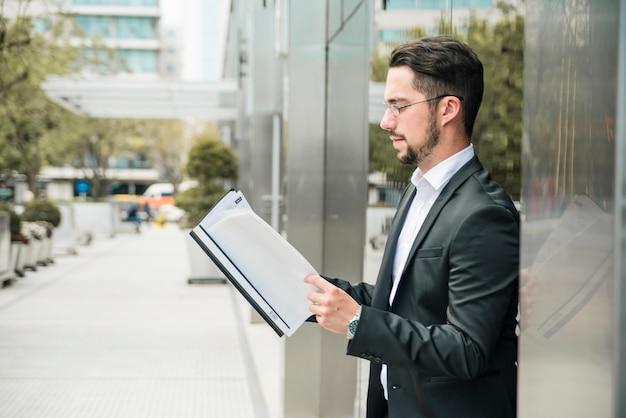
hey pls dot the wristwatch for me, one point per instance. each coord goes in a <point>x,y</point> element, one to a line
<point>354,322</point>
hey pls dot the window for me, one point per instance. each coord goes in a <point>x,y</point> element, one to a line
<point>136,27</point>
<point>401,4</point>
<point>94,25</point>
<point>393,35</point>
<point>41,25</point>
<point>438,4</point>
<point>138,61</point>
<point>138,3</point>
<point>135,3</point>
<point>93,2</point>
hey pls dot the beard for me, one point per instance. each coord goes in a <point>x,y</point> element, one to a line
<point>415,155</point>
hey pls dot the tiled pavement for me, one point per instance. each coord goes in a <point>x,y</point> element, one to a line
<point>116,331</point>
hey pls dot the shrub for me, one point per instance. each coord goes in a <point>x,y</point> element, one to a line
<point>42,210</point>
<point>211,163</point>
<point>15,218</point>
<point>197,201</point>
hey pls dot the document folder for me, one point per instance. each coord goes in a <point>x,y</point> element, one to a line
<point>260,263</point>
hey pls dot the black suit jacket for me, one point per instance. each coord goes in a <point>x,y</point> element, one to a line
<point>449,339</point>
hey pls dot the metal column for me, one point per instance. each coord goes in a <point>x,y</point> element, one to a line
<point>327,137</point>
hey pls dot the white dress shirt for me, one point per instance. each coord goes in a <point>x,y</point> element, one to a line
<point>428,187</point>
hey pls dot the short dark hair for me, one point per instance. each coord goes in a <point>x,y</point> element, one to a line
<point>444,65</point>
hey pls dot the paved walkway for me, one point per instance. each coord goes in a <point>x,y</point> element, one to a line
<point>116,331</point>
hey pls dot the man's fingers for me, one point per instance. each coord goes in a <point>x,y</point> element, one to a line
<point>319,282</point>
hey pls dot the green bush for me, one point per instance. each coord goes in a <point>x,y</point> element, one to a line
<point>42,210</point>
<point>197,201</point>
<point>15,218</point>
<point>210,162</point>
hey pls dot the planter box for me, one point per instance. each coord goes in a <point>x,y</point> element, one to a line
<point>30,262</point>
<point>15,254</point>
<point>65,238</point>
<point>44,257</point>
<point>203,269</point>
<point>22,256</point>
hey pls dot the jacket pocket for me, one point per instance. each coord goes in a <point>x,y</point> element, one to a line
<point>437,379</point>
<point>429,252</point>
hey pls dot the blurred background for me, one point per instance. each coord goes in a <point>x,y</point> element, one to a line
<point>118,114</point>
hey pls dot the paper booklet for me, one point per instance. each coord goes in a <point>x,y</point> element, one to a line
<point>262,265</point>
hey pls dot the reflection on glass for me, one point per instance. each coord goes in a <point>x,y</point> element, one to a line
<point>566,292</point>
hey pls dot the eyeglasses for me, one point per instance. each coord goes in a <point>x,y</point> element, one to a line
<point>395,109</point>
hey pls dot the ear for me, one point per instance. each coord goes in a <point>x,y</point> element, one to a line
<point>450,110</point>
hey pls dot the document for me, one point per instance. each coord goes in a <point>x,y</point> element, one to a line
<point>262,265</point>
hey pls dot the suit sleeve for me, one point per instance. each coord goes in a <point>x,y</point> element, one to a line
<point>479,267</point>
<point>361,292</point>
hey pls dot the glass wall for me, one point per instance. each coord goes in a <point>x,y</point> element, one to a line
<point>568,340</point>
<point>438,4</point>
<point>120,27</point>
<point>138,3</point>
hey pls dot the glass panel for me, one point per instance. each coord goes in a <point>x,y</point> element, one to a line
<point>138,3</point>
<point>135,3</point>
<point>401,4</point>
<point>94,25</point>
<point>41,25</point>
<point>567,295</point>
<point>136,27</point>
<point>138,61</point>
<point>93,2</point>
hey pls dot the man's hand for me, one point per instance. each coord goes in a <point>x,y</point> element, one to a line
<point>527,297</point>
<point>333,308</point>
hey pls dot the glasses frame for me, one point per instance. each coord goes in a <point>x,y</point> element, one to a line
<point>395,109</point>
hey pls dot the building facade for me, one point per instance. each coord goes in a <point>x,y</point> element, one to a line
<point>129,27</point>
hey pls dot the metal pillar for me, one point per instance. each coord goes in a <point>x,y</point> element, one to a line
<point>620,214</point>
<point>327,137</point>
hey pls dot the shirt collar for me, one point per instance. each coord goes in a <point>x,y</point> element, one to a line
<point>439,175</point>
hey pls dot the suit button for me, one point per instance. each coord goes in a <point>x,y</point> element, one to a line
<point>378,359</point>
<point>395,387</point>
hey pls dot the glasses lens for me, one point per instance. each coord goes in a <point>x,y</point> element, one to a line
<point>393,108</point>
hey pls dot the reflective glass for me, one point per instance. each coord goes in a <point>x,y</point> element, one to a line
<point>567,344</point>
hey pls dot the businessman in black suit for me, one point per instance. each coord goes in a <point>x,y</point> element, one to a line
<point>439,326</point>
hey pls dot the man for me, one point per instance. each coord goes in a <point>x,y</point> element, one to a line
<point>439,325</point>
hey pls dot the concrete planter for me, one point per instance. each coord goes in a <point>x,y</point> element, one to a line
<point>44,257</point>
<point>65,238</point>
<point>202,268</point>
<point>15,253</point>
<point>22,256</point>
<point>32,254</point>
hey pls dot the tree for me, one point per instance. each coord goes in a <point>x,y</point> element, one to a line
<point>165,144</point>
<point>26,58</point>
<point>213,164</point>
<point>382,156</point>
<point>31,49</point>
<point>497,132</point>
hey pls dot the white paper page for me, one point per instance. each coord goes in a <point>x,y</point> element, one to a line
<point>231,200</point>
<point>273,268</point>
<point>240,279</point>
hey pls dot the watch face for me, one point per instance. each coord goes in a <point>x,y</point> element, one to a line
<point>352,326</point>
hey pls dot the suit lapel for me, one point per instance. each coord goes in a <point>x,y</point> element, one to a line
<point>448,191</point>
<point>380,299</point>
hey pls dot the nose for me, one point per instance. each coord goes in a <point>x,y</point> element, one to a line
<point>388,121</point>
